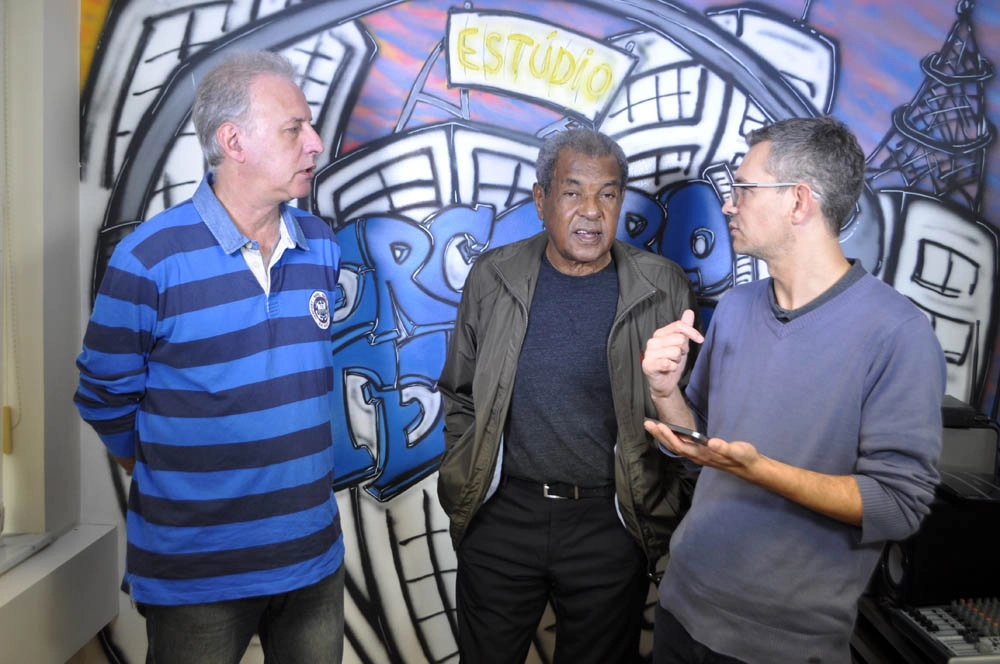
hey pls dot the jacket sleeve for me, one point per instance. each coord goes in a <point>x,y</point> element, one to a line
<point>459,369</point>
<point>684,293</point>
<point>456,387</point>
<point>684,298</point>
<point>115,352</point>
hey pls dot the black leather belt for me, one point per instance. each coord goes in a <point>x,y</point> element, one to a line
<point>561,490</point>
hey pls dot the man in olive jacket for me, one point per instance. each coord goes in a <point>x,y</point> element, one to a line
<point>554,489</point>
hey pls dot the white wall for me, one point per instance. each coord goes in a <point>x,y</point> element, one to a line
<point>54,602</point>
<point>41,477</point>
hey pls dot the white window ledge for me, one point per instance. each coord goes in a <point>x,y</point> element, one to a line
<point>15,548</point>
<point>58,597</point>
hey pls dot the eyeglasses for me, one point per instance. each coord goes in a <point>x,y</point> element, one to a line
<point>734,188</point>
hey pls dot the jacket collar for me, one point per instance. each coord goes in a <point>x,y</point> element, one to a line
<point>633,285</point>
<point>519,270</point>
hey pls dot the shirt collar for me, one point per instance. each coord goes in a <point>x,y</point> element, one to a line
<point>214,215</point>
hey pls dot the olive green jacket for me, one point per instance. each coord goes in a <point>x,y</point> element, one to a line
<point>478,377</point>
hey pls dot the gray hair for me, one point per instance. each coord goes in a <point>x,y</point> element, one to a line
<point>821,152</point>
<point>584,141</point>
<point>223,95</point>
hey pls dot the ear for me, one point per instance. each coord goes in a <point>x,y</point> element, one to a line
<point>538,194</point>
<point>229,135</point>
<point>804,206</point>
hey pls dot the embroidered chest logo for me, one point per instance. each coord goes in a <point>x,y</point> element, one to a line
<point>319,308</point>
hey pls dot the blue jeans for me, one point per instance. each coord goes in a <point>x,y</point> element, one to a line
<point>302,626</point>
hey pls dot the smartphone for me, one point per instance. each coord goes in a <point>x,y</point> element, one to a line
<point>691,435</point>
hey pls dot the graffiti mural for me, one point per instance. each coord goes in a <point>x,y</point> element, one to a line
<point>432,113</point>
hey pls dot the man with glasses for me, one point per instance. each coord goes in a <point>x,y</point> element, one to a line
<point>820,389</point>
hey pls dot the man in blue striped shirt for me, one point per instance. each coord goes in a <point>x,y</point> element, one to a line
<point>207,372</point>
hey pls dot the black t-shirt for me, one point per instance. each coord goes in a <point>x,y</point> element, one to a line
<point>562,425</point>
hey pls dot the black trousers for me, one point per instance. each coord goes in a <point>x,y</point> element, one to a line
<point>673,645</point>
<point>523,550</point>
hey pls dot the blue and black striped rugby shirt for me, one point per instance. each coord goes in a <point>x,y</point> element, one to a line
<point>222,393</point>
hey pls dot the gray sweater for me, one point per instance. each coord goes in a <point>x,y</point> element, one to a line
<point>853,387</point>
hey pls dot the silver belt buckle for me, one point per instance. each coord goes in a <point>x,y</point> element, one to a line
<point>545,492</point>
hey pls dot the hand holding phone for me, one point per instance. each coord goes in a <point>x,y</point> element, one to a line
<point>690,435</point>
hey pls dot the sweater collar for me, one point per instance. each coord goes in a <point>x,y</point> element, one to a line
<point>852,275</point>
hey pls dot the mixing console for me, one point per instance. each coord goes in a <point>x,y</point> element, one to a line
<point>961,632</point>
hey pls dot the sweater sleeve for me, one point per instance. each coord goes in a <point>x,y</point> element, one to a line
<point>115,352</point>
<point>900,439</point>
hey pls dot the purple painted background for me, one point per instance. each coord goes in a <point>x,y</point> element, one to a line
<point>881,44</point>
